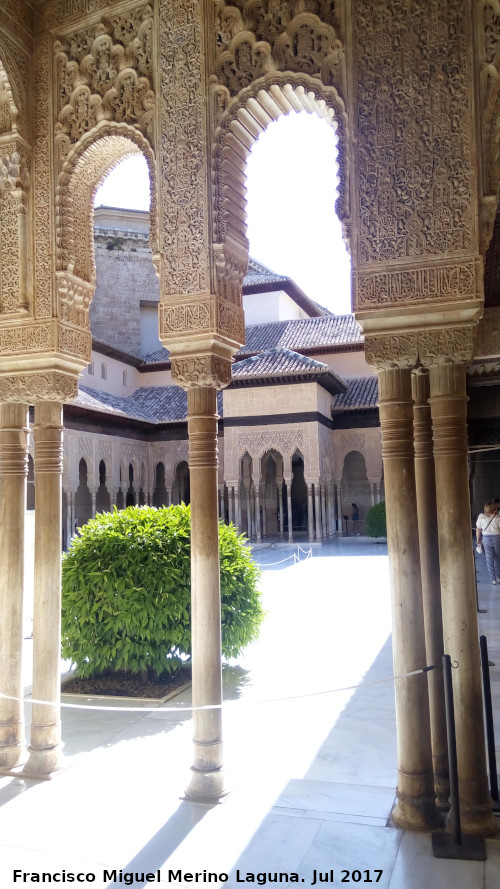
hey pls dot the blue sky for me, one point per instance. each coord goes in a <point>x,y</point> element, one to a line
<point>291,190</point>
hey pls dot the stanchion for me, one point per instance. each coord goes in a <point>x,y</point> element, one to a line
<point>490,732</point>
<point>454,845</point>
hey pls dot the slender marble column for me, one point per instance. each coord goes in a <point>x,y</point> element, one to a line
<point>317,504</point>
<point>340,529</point>
<point>207,781</point>
<point>279,492</point>
<point>310,513</point>
<point>331,509</point>
<point>264,510</point>
<point>323,509</point>
<point>288,483</point>
<point>425,481</point>
<point>221,501</point>
<point>93,494</point>
<point>449,422</point>
<point>415,806</point>
<point>230,503</point>
<point>257,513</point>
<point>237,507</point>
<point>14,431</point>
<point>46,747</point>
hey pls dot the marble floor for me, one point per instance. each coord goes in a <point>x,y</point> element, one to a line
<point>310,752</point>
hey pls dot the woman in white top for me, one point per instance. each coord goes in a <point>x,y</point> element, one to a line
<point>488,533</point>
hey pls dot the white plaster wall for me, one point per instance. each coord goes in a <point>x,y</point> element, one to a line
<point>260,308</point>
<point>150,341</point>
<point>155,378</point>
<point>114,371</point>
<point>347,364</point>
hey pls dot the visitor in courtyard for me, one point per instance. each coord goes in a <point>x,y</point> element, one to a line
<point>354,512</point>
<point>488,534</point>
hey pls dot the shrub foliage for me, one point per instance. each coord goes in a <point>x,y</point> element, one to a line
<point>375,522</point>
<point>126,592</point>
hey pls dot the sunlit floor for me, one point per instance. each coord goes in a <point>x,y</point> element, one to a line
<point>310,752</point>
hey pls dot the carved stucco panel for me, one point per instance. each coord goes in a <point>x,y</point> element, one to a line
<point>185,264</point>
<point>409,285</point>
<point>414,123</point>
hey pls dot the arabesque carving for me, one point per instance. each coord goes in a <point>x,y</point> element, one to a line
<point>14,245</point>
<point>43,386</point>
<point>414,122</point>
<point>489,60</point>
<point>209,370</point>
<point>104,73</point>
<point>430,347</point>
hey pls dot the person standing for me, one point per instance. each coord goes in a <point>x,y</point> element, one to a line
<point>488,534</point>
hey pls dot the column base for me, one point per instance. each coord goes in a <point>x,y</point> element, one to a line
<point>43,763</point>
<point>205,786</point>
<point>12,755</point>
<point>415,813</point>
<point>478,820</point>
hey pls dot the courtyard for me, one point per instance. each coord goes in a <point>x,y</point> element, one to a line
<point>310,753</point>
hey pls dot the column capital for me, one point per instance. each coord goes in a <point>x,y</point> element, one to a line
<point>51,386</point>
<point>201,371</point>
<point>428,347</point>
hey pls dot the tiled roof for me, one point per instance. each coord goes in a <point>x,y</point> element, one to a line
<point>159,356</point>
<point>283,364</point>
<point>305,334</point>
<point>362,393</point>
<point>151,404</point>
<point>259,274</point>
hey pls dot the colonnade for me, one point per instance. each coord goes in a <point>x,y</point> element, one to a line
<point>248,509</point>
<point>424,449</point>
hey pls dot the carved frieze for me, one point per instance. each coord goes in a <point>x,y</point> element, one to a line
<point>489,60</point>
<point>414,123</point>
<point>23,338</point>
<point>42,187</point>
<point>430,347</point>
<point>44,386</point>
<point>257,442</point>
<point>408,285</point>
<point>205,314</point>
<point>201,371</point>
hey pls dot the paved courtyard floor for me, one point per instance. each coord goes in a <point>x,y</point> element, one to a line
<point>310,751</point>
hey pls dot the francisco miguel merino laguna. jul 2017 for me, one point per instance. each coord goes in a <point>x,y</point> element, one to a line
<point>179,876</point>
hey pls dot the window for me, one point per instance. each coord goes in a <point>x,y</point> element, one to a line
<point>90,368</point>
<point>124,377</point>
<point>104,371</point>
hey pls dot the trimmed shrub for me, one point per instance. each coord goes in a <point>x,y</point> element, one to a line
<point>126,592</point>
<point>375,522</point>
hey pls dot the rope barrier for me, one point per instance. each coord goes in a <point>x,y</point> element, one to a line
<point>191,709</point>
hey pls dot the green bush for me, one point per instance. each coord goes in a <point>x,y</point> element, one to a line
<point>375,522</point>
<point>126,592</point>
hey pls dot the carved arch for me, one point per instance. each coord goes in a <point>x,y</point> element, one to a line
<point>246,117</point>
<point>8,107</point>
<point>85,168</point>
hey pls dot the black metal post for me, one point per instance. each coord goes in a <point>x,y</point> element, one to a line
<point>452,750</point>
<point>445,845</point>
<point>488,709</point>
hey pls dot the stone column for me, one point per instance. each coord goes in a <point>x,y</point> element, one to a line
<point>230,503</point>
<point>14,429</point>
<point>93,494</point>
<point>289,506</point>
<point>310,515</point>
<point>257,513</point>
<point>221,502</point>
<point>331,509</point>
<point>279,492</point>
<point>338,484</point>
<point>415,806</point>
<point>449,412</point>
<point>264,509</point>
<point>45,747</point>
<point>317,504</point>
<point>425,481</point>
<point>237,507</point>
<point>207,782</point>
<point>323,509</point>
